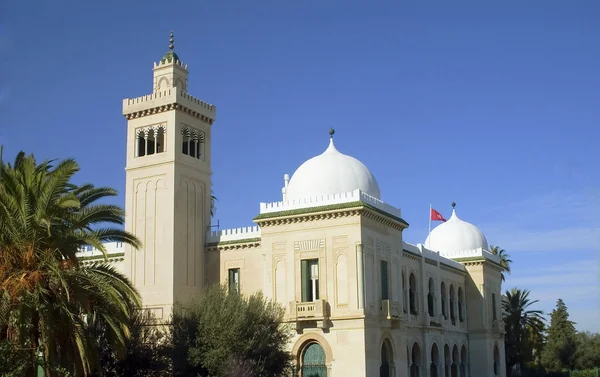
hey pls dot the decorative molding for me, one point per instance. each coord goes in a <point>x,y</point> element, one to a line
<point>252,243</point>
<point>309,245</point>
<point>236,263</point>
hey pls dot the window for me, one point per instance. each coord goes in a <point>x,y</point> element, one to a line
<point>192,142</point>
<point>430,299</point>
<point>443,289</point>
<point>412,294</point>
<point>452,301</point>
<point>385,293</point>
<point>234,280</point>
<point>461,315</point>
<point>150,141</point>
<point>494,316</point>
<point>404,301</point>
<point>310,279</point>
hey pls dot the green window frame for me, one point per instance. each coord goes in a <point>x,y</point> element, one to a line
<point>309,275</point>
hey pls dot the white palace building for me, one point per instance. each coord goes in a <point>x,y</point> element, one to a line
<point>360,300</point>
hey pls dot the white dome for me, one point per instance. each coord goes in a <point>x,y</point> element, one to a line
<point>454,236</point>
<point>331,172</point>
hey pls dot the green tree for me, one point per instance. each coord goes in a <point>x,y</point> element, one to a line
<point>221,334</point>
<point>521,324</point>
<point>48,296</point>
<point>561,344</point>
<point>588,351</point>
<point>148,350</point>
<point>505,260</point>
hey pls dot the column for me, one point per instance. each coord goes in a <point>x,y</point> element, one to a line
<point>360,275</point>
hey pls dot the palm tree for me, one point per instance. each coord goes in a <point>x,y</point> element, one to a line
<point>48,296</point>
<point>521,324</point>
<point>505,260</point>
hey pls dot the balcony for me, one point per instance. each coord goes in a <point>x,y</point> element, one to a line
<point>389,309</point>
<point>498,325</point>
<point>310,314</point>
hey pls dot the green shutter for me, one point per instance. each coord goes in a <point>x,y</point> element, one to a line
<point>305,280</point>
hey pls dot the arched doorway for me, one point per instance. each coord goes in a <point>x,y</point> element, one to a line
<point>313,361</point>
<point>387,360</point>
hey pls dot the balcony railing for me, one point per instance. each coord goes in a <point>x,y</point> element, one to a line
<point>498,325</point>
<point>314,310</point>
<point>389,309</point>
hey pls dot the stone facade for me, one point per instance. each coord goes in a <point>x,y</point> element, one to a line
<point>359,299</point>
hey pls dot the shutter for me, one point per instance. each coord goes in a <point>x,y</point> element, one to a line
<point>305,280</point>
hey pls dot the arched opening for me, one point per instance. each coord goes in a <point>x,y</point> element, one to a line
<point>387,359</point>
<point>430,299</point>
<point>452,301</point>
<point>444,301</point>
<point>496,361</point>
<point>461,301</point>
<point>447,361</point>
<point>463,361</point>
<point>412,294</point>
<point>312,361</point>
<point>455,362</point>
<point>435,361</point>
<point>404,300</point>
<point>415,365</point>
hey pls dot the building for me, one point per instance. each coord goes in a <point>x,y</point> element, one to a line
<point>361,300</point>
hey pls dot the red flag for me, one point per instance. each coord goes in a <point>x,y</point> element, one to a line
<point>436,216</point>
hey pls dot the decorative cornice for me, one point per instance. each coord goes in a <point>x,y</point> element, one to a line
<point>248,243</point>
<point>169,107</point>
<point>479,261</point>
<point>410,255</point>
<point>328,212</point>
<point>109,257</point>
<point>452,269</point>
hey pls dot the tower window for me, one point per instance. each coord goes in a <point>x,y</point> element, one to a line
<point>150,141</point>
<point>385,292</point>
<point>192,143</point>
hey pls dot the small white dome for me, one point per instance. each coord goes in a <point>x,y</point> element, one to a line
<point>454,236</point>
<point>331,172</point>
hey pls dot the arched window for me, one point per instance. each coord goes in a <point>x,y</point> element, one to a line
<point>387,360</point>
<point>452,301</point>
<point>444,301</point>
<point>447,361</point>
<point>404,300</point>
<point>430,299</point>
<point>461,303</point>
<point>455,362</point>
<point>435,361</point>
<point>415,365</point>
<point>496,361</point>
<point>412,290</point>
<point>312,362</point>
<point>463,361</point>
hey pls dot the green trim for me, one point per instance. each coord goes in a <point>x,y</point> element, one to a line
<point>224,243</point>
<point>327,208</point>
<point>108,256</point>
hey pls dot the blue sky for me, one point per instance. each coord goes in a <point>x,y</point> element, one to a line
<point>494,105</point>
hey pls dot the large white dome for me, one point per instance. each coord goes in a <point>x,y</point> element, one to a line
<point>331,172</point>
<point>454,236</point>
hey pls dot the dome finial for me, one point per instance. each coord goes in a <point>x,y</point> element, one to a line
<point>171,41</point>
<point>453,205</point>
<point>331,132</point>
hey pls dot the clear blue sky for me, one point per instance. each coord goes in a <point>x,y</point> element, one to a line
<point>494,106</point>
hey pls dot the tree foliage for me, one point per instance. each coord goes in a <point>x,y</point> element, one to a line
<point>221,335</point>
<point>48,296</point>
<point>561,346</point>
<point>505,260</point>
<point>523,326</point>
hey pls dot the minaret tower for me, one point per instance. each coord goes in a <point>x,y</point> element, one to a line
<point>168,183</point>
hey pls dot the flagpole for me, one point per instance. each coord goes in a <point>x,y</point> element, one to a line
<point>428,241</point>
